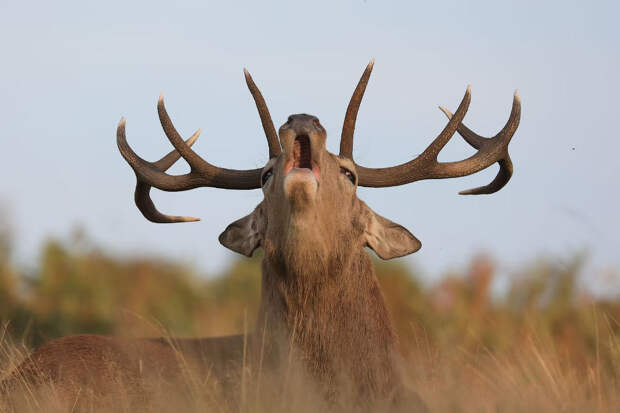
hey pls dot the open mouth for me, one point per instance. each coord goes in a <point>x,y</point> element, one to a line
<point>302,156</point>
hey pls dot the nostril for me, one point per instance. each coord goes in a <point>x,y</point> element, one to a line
<point>317,124</point>
<point>289,120</point>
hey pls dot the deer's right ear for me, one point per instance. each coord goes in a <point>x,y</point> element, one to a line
<point>246,234</point>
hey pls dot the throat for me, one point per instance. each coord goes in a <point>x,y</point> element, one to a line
<point>332,310</point>
<point>336,324</point>
<point>302,155</point>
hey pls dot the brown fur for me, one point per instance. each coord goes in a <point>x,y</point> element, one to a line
<point>321,307</point>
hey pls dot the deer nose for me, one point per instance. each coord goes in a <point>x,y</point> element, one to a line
<point>303,125</point>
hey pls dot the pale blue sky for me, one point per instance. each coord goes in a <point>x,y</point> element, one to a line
<point>70,70</point>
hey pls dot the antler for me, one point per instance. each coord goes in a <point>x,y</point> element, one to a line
<point>348,127</point>
<point>202,173</point>
<point>426,165</point>
<point>265,117</point>
<point>142,194</point>
<point>497,144</point>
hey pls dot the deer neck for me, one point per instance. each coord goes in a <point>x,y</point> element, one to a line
<point>329,310</point>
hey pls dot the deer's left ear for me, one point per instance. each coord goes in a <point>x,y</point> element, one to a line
<point>246,234</point>
<point>386,238</point>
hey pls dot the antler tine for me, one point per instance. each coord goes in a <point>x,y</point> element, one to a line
<point>348,127</point>
<point>142,193</point>
<point>508,130</point>
<point>470,137</point>
<point>501,179</point>
<point>202,173</point>
<point>193,159</point>
<point>420,167</point>
<point>167,161</point>
<point>512,124</point>
<point>152,174</point>
<point>142,197</point>
<point>426,166</point>
<point>265,117</point>
<point>149,173</point>
<point>505,135</point>
<point>448,131</point>
<point>201,170</point>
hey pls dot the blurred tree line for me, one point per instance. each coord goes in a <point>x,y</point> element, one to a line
<point>77,288</point>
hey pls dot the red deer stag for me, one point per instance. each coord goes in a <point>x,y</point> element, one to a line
<point>320,296</point>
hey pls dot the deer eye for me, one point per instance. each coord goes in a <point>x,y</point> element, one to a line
<point>350,175</point>
<point>266,177</point>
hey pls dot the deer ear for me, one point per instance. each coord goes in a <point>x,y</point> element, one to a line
<point>245,235</point>
<point>388,239</point>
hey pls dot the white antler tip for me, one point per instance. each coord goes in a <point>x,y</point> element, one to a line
<point>122,122</point>
<point>193,138</point>
<point>371,63</point>
<point>468,88</point>
<point>446,112</point>
<point>161,98</point>
<point>517,97</point>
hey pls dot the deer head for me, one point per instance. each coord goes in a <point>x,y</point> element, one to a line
<point>310,205</point>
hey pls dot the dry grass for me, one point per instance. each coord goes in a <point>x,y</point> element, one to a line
<point>535,376</point>
<point>543,345</point>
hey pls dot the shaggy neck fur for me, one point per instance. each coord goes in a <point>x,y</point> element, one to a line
<point>331,314</point>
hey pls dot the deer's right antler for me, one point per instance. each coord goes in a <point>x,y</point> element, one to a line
<point>202,173</point>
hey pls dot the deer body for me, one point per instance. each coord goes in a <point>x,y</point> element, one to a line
<point>341,332</point>
<point>321,304</point>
